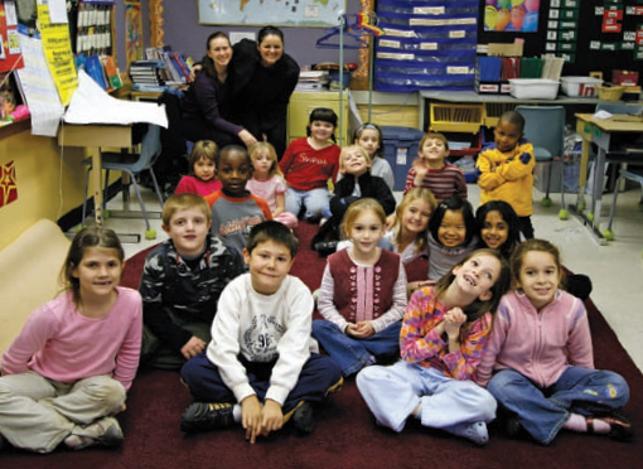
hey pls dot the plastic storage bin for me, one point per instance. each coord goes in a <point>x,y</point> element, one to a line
<point>534,88</point>
<point>580,86</point>
<point>400,148</point>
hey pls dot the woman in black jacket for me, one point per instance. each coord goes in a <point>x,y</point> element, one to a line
<point>263,77</point>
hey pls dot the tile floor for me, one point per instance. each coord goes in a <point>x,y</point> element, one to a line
<point>616,270</point>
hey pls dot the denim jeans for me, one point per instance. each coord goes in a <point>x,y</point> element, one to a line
<point>315,202</point>
<point>351,354</point>
<point>393,392</point>
<point>542,412</point>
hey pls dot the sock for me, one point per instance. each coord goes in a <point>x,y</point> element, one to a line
<point>236,413</point>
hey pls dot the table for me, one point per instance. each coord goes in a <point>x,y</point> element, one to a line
<point>93,137</point>
<point>604,133</point>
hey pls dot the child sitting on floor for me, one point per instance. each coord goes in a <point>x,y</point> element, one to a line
<point>202,161</point>
<point>234,209</point>
<point>362,295</point>
<point>369,137</point>
<point>268,183</point>
<point>258,369</point>
<point>444,332</point>
<point>541,351</point>
<point>66,375</point>
<point>182,280</point>
<point>308,163</point>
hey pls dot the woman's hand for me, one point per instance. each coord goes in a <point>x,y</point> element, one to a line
<point>247,138</point>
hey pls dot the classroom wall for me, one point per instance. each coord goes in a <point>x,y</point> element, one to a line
<point>47,186</point>
<point>184,33</point>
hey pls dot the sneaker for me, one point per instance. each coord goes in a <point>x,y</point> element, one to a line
<point>303,419</point>
<point>512,426</point>
<point>104,432</point>
<point>204,416</point>
<point>476,432</point>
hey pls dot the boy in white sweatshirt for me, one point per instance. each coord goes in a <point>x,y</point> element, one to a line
<point>258,369</point>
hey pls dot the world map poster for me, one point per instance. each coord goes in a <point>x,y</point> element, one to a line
<point>300,13</point>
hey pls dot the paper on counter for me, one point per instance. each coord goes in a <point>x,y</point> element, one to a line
<point>90,104</point>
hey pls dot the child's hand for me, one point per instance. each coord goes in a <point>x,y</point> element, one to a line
<point>193,347</point>
<point>251,417</point>
<point>272,418</point>
<point>351,329</point>
<point>363,329</point>
<point>390,221</point>
<point>420,171</point>
<point>453,319</point>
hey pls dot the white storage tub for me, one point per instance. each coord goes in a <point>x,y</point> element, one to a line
<point>534,88</point>
<point>581,86</point>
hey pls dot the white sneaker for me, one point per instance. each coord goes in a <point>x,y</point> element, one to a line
<point>104,432</point>
<point>476,432</point>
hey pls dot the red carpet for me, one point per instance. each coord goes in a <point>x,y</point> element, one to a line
<point>346,435</point>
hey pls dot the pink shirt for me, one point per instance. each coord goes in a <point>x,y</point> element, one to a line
<point>267,190</point>
<point>194,185</point>
<point>61,344</point>
<point>538,344</point>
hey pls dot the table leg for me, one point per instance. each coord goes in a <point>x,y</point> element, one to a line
<point>597,190</point>
<point>582,176</point>
<point>97,185</point>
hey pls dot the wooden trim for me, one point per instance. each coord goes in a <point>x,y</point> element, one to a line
<point>157,33</point>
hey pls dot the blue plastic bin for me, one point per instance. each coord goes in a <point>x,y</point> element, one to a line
<point>400,148</point>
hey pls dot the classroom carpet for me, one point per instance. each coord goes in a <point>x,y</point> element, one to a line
<point>345,435</point>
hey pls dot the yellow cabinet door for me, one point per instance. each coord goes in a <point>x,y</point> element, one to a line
<point>303,102</point>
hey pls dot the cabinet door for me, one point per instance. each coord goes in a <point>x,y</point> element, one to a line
<point>302,104</point>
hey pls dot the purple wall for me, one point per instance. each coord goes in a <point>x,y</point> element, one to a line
<point>184,33</point>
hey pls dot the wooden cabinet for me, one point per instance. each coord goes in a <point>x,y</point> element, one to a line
<point>303,102</point>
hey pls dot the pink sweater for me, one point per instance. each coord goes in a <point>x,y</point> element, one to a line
<point>59,343</point>
<point>538,344</point>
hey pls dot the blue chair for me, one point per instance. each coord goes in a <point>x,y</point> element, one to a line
<point>545,129</point>
<point>133,164</point>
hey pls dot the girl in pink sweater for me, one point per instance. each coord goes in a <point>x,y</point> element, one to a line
<point>541,351</point>
<point>66,375</point>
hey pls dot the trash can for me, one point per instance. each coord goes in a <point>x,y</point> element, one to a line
<point>400,148</point>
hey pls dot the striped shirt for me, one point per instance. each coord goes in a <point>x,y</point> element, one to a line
<point>443,182</point>
<point>419,342</point>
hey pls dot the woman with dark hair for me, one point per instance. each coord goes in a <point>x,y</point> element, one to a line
<point>206,105</point>
<point>263,77</point>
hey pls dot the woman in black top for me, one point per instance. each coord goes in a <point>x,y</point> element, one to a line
<point>263,77</point>
<point>206,107</point>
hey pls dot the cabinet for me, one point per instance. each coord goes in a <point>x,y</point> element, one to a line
<point>303,102</point>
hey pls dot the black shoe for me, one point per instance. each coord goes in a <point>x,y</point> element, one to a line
<point>324,248</point>
<point>303,419</point>
<point>512,426</point>
<point>204,416</point>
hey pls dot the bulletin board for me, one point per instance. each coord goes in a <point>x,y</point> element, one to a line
<point>602,41</point>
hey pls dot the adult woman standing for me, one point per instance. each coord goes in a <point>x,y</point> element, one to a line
<point>206,105</point>
<point>263,77</point>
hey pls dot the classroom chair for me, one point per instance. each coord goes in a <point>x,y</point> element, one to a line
<point>545,129</point>
<point>623,175</point>
<point>133,164</point>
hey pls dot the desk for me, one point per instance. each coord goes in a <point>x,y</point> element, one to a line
<point>93,137</point>
<point>602,132</point>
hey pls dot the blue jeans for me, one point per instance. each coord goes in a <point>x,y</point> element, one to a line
<point>542,412</point>
<point>315,201</point>
<point>351,354</point>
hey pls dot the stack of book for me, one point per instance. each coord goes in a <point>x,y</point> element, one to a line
<point>176,68</point>
<point>146,75</point>
<point>312,80</point>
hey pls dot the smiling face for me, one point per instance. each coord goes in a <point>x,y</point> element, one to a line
<point>271,49</point>
<point>495,230</point>
<point>321,131</point>
<point>220,51</point>
<point>433,151</point>
<point>234,171</point>
<point>355,162</point>
<point>268,263</point>
<point>415,217</point>
<point>452,231</point>
<point>188,229</point>
<point>204,169</point>
<point>506,136</point>
<point>369,139</point>
<point>98,272</point>
<point>539,277</point>
<point>477,275</point>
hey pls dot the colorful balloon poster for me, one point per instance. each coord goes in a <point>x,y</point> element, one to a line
<point>511,15</point>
